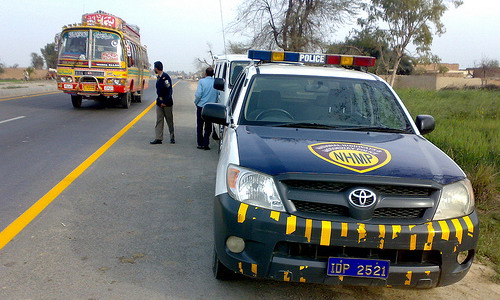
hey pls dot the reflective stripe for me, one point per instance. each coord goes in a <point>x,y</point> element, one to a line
<point>275,215</point>
<point>345,229</point>
<point>326,231</point>
<point>308,232</point>
<point>242,212</point>
<point>458,230</point>
<point>381,229</point>
<point>470,226</point>
<point>430,236</point>
<point>291,223</point>
<point>445,235</point>
<point>396,229</point>
<point>361,232</point>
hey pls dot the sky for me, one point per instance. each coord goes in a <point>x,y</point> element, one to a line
<point>178,32</point>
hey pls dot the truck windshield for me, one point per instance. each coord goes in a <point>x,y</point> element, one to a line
<point>74,45</point>
<point>323,102</point>
<point>106,46</point>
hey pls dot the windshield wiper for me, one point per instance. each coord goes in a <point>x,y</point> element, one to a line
<point>306,125</point>
<point>377,129</point>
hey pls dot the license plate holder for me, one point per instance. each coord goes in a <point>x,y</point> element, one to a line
<point>358,267</point>
<point>89,87</point>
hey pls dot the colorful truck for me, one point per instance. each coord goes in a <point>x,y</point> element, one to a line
<point>102,59</point>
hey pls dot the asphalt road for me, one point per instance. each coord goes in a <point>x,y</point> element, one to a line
<point>137,224</point>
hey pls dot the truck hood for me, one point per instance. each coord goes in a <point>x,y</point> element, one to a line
<point>279,150</point>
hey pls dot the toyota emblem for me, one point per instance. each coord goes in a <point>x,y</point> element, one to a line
<point>362,198</point>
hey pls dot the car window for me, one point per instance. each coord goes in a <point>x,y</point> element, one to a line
<point>235,92</point>
<point>337,102</point>
<point>236,68</point>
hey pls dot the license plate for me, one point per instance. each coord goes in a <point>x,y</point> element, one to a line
<point>89,87</point>
<point>356,267</point>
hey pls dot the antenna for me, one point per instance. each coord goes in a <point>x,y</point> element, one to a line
<point>222,23</point>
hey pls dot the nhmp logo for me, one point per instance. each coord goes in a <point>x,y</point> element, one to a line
<point>355,157</point>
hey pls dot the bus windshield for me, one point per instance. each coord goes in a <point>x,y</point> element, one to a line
<point>106,46</point>
<point>74,45</point>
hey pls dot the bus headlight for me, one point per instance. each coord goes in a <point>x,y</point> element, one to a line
<point>68,79</point>
<point>253,188</point>
<point>457,200</point>
<point>115,81</point>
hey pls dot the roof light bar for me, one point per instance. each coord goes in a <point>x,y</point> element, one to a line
<point>312,58</point>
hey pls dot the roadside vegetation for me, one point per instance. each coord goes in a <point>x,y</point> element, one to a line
<point>468,130</point>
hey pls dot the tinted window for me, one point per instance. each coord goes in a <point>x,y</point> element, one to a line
<point>337,102</point>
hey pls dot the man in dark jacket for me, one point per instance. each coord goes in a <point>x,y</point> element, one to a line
<point>164,104</point>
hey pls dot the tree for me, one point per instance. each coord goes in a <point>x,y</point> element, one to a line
<point>238,48</point>
<point>411,21</point>
<point>292,25</point>
<point>36,61</point>
<point>50,55</point>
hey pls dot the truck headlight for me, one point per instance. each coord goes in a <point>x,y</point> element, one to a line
<point>253,188</point>
<point>457,200</point>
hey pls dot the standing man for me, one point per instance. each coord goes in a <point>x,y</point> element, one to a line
<point>164,104</point>
<point>205,93</point>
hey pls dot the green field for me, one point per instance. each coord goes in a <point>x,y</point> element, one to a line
<point>468,130</point>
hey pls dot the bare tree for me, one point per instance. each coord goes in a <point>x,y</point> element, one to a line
<point>292,25</point>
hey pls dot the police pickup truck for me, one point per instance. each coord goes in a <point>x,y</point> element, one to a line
<point>323,177</point>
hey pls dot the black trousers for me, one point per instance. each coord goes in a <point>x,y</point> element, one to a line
<point>203,129</point>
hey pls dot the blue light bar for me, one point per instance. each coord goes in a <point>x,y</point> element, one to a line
<point>259,54</point>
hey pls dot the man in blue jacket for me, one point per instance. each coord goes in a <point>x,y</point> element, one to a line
<point>164,104</point>
<point>205,93</point>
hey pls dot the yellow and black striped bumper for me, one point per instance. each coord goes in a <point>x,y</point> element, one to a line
<point>263,230</point>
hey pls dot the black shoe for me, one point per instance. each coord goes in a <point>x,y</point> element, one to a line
<point>206,148</point>
<point>200,147</point>
<point>154,142</point>
<point>172,141</point>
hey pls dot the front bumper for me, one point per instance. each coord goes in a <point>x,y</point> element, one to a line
<point>285,247</point>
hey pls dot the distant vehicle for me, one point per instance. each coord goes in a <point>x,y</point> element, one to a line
<point>323,177</point>
<point>227,69</point>
<point>102,59</point>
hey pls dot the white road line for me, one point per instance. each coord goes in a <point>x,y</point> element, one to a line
<point>13,119</point>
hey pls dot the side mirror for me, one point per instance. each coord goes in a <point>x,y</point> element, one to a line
<point>214,113</point>
<point>425,123</point>
<point>219,84</point>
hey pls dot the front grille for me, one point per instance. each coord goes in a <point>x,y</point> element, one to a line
<point>339,210</point>
<point>89,79</point>
<point>325,186</point>
<point>323,208</point>
<point>399,213</point>
<point>321,253</point>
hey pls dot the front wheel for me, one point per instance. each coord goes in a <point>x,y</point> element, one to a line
<point>76,100</point>
<point>126,99</point>
<point>138,97</point>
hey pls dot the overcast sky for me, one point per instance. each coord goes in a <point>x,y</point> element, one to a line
<point>176,32</point>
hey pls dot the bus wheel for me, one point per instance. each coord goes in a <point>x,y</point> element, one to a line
<point>138,97</point>
<point>126,99</point>
<point>76,100</point>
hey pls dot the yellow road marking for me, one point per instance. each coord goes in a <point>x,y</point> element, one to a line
<point>31,213</point>
<point>29,96</point>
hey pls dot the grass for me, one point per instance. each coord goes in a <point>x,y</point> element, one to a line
<point>468,130</point>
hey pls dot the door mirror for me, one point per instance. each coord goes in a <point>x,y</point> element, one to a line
<point>425,123</point>
<point>214,113</point>
<point>219,84</point>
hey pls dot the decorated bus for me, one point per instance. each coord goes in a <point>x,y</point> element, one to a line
<point>102,59</point>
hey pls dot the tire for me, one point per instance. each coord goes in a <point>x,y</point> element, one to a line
<point>220,271</point>
<point>76,100</point>
<point>126,100</point>
<point>138,97</point>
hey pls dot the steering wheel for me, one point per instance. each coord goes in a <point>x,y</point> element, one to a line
<point>274,110</point>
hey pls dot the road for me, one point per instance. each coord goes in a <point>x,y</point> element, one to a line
<point>137,222</point>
